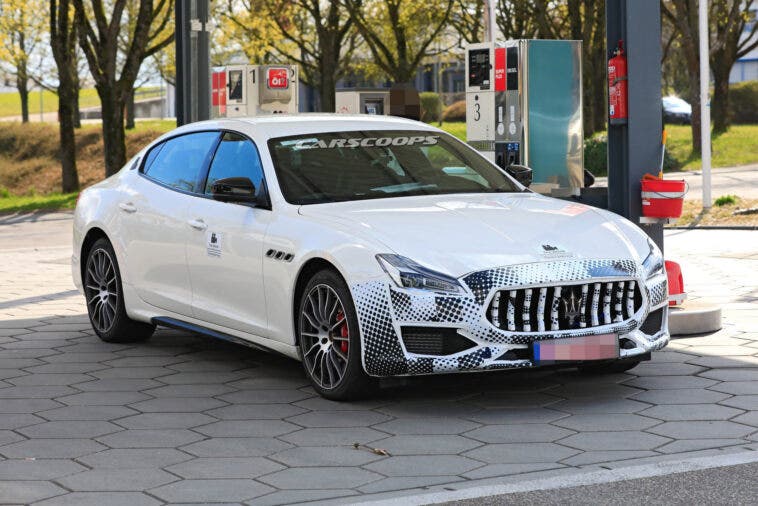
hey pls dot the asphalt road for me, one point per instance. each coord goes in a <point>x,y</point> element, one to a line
<point>731,485</point>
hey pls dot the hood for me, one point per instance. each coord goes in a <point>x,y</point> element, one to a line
<point>458,234</point>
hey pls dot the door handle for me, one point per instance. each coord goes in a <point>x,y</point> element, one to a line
<point>197,224</point>
<point>127,207</point>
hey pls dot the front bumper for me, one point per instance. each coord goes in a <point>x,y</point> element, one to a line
<point>383,310</point>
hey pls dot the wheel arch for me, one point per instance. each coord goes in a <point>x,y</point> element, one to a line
<point>90,238</point>
<point>306,272</point>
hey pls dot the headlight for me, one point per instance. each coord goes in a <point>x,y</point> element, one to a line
<point>408,274</point>
<point>653,264</point>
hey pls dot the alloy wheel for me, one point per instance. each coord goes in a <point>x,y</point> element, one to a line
<point>324,336</point>
<point>101,290</point>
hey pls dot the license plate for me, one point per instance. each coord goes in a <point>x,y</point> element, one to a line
<point>599,347</point>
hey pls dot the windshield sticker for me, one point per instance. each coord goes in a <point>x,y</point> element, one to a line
<point>213,244</point>
<point>367,142</point>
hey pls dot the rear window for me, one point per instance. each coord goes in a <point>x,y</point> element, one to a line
<point>359,165</point>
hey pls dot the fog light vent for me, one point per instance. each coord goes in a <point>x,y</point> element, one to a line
<point>434,340</point>
<point>653,322</point>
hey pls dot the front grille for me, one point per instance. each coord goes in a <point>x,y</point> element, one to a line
<point>434,340</point>
<point>565,307</point>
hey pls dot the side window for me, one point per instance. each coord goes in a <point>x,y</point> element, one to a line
<point>177,162</point>
<point>236,156</point>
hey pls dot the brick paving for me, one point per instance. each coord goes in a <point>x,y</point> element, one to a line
<point>186,419</point>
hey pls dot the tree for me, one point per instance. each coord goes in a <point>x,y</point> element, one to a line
<point>318,35</point>
<point>63,44</point>
<point>731,41</point>
<point>466,20</point>
<point>399,33</point>
<point>21,31</point>
<point>114,74</point>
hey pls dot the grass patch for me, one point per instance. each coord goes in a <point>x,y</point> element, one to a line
<point>455,128</point>
<point>738,146</point>
<point>53,201</point>
<point>10,102</point>
<point>722,215</point>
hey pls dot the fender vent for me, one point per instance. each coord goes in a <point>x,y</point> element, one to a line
<point>434,340</point>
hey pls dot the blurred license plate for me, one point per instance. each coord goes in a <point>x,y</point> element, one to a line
<point>599,347</point>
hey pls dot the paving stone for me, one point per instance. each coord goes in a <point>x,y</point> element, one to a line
<point>67,368</point>
<point>7,437</point>
<point>442,409</point>
<point>321,404</point>
<point>102,398</point>
<point>749,418</point>
<point>666,369</point>
<point>117,480</point>
<point>192,378</point>
<point>123,458</point>
<point>236,447</point>
<point>51,448</point>
<point>165,421</point>
<point>27,492</point>
<point>265,396</point>
<point>401,483</point>
<point>118,385</point>
<point>498,470</point>
<point>297,496</point>
<point>132,373</point>
<point>748,402</point>
<point>669,357</point>
<point>339,419</point>
<point>692,445</point>
<point>189,390</point>
<point>34,392</point>
<point>597,457</point>
<point>247,428</point>
<point>43,469</point>
<point>177,404</point>
<point>228,467</point>
<point>517,416</point>
<point>143,361</point>
<point>670,382</point>
<point>87,413</point>
<point>720,350</point>
<point>320,478</point>
<point>732,374</point>
<point>681,396</point>
<point>150,438</point>
<point>505,399</point>
<point>27,405</point>
<point>702,430</point>
<point>606,422</point>
<point>312,456</point>
<point>100,499</point>
<point>426,426</point>
<point>519,433</point>
<point>517,453</point>
<point>333,436</point>
<point>580,389</point>
<point>211,490</point>
<point>70,429</point>
<point>426,445</point>
<point>732,387</point>
<point>256,411</point>
<point>423,465</point>
<point>587,405</point>
<point>50,379</point>
<point>15,420</point>
<point>684,412</point>
<point>726,361</point>
<point>619,440</point>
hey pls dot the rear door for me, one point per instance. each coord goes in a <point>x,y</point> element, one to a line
<point>225,254</point>
<point>158,227</point>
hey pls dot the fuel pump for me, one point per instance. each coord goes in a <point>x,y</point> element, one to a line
<point>254,90</point>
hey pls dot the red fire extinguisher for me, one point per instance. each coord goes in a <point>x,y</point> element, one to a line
<point>617,86</point>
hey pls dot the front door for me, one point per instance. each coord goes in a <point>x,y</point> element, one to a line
<point>225,250</point>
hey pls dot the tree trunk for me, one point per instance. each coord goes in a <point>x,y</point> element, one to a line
<point>327,86</point>
<point>720,102</point>
<point>114,144</point>
<point>130,110</point>
<point>66,101</point>
<point>77,112</point>
<point>22,84</point>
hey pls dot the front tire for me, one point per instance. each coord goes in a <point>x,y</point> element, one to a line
<point>105,300</point>
<point>329,339</point>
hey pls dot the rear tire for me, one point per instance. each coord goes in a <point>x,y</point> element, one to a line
<point>105,300</point>
<point>609,367</point>
<point>329,339</point>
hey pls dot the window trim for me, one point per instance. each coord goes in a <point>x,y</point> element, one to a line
<point>203,167</point>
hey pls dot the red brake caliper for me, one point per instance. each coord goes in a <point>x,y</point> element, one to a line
<point>343,332</point>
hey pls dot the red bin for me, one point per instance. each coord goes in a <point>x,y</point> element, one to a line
<point>663,198</point>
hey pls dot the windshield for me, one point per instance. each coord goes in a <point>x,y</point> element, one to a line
<point>359,165</point>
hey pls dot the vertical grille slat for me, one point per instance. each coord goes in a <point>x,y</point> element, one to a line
<point>511,312</point>
<point>541,310</point>
<point>564,307</point>
<point>554,307</point>
<point>595,304</point>
<point>617,306</point>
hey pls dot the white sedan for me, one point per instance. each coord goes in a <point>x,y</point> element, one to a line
<point>364,247</point>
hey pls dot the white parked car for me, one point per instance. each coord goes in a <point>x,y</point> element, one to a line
<point>365,247</point>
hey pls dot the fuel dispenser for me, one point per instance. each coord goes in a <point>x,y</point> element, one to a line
<point>362,101</point>
<point>524,107</point>
<point>254,90</point>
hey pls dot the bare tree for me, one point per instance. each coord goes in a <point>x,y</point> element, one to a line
<point>99,40</point>
<point>63,43</point>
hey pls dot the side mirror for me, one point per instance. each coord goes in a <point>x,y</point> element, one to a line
<point>234,189</point>
<point>520,173</point>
